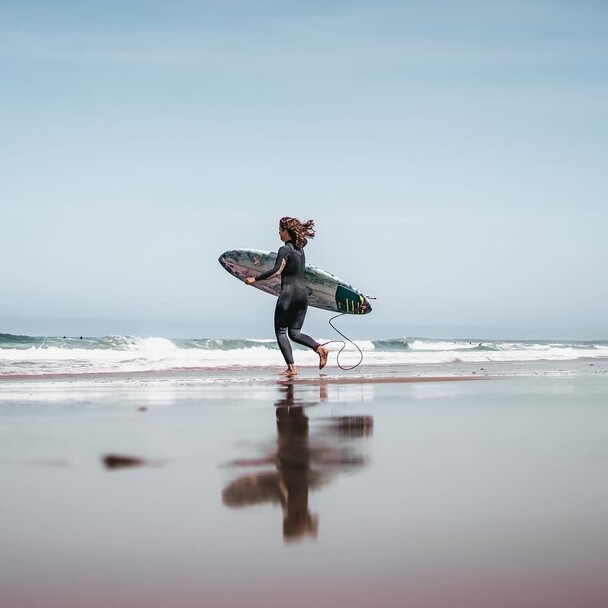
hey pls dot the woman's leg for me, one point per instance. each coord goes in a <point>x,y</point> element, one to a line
<point>281,323</point>
<point>296,335</point>
<point>299,309</point>
<point>284,344</point>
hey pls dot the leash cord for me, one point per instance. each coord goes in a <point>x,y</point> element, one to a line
<point>343,345</point>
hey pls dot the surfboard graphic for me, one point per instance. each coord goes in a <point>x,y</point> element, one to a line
<point>325,290</point>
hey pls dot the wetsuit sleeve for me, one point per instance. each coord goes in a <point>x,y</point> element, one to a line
<point>278,267</point>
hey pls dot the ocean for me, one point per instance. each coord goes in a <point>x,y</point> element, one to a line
<point>32,357</point>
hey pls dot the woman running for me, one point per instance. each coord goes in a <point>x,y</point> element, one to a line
<point>292,304</point>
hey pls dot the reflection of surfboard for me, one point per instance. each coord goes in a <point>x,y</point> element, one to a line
<point>325,290</point>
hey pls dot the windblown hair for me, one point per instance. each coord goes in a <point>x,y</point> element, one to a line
<point>298,231</point>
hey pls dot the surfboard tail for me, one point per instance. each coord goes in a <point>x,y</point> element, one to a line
<point>351,302</point>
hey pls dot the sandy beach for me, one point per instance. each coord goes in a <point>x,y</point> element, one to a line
<point>357,492</point>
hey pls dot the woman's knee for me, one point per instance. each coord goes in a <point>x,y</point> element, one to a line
<point>294,334</point>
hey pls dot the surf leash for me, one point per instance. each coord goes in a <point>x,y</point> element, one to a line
<point>343,345</point>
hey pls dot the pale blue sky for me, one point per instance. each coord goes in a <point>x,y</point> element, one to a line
<point>453,155</point>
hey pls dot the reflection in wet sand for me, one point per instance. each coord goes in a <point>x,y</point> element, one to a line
<point>301,461</point>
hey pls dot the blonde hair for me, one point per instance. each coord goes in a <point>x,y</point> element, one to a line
<point>299,231</point>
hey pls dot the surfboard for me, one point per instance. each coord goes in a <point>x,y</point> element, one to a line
<point>325,290</point>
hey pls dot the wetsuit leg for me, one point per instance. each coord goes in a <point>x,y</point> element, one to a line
<point>284,344</point>
<point>294,328</point>
<point>289,316</point>
<point>281,323</point>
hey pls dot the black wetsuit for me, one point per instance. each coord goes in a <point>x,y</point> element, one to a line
<point>292,304</point>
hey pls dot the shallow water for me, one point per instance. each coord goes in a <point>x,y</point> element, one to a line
<point>487,493</point>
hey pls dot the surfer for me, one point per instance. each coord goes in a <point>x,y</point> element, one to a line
<point>292,304</point>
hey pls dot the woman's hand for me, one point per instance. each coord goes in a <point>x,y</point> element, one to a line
<point>250,280</point>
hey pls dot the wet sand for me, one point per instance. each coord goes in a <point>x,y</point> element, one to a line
<point>324,380</point>
<point>340,491</point>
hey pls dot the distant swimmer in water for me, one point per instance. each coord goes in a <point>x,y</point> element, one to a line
<point>292,304</point>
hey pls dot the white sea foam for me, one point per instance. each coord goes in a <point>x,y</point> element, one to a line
<point>138,354</point>
<point>422,345</point>
<point>154,344</point>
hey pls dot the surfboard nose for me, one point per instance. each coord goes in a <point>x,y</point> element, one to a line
<point>227,257</point>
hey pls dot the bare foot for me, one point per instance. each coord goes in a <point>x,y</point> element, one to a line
<point>290,371</point>
<point>323,354</point>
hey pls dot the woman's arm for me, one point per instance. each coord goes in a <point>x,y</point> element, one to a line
<point>277,269</point>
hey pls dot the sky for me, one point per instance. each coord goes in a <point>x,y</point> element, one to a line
<point>452,154</point>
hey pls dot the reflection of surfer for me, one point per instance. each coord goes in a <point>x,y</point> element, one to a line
<point>292,304</point>
<point>290,483</point>
<point>293,464</point>
<point>299,466</point>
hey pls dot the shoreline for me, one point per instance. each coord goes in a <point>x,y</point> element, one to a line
<point>250,375</point>
<point>413,372</point>
<point>380,380</point>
